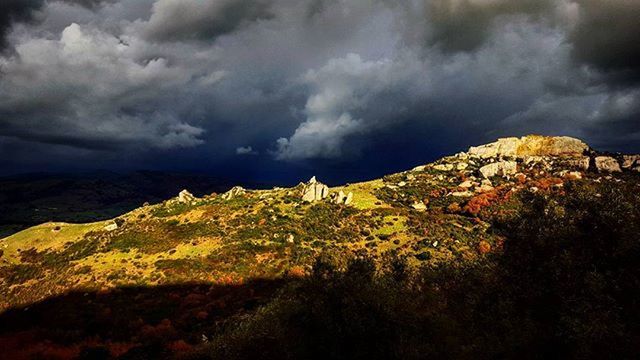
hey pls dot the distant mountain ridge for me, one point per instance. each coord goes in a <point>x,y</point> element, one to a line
<point>31,199</point>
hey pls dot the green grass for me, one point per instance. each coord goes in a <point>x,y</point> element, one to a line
<point>49,236</point>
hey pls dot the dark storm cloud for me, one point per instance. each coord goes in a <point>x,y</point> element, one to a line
<point>607,36</point>
<point>202,19</point>
<point>16,11</point>
<point>313,84</point>
<point>465,25</point>
<point>12,11</point>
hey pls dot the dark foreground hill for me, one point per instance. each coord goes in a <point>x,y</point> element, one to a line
<point>523,248</point>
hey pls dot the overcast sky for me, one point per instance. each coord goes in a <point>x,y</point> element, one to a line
<point>277,90</point>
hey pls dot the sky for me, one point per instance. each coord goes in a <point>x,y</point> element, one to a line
<point>279,90</point>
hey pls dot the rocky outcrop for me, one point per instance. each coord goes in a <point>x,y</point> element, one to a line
<point>342,199</point>
<point>111,227</point>
<point>581,163</point>
<point>443,167</point>
<point>607,164</point>
<point>500,168</point>
<point>419,206</point>
<point>532,145</point>
<point>631,162</point>
<point>185,197</point>
<point>235,191</point>
<point>314,190</point>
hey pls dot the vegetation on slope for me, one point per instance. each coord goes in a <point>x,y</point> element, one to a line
<point>432,262</point>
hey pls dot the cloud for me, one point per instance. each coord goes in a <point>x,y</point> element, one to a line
<point>202,19</point>
<point>245,150</point>
<point>12,11</point>
<point>315,81</point>
<point>341,87</point>
<point>93,92</point>
<point>465,25</point>
<point>605,36</point>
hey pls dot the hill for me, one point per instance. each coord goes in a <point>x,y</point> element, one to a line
<point>436,251</point>
<point>31,199</point>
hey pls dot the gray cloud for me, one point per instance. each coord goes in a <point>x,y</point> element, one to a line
<point>12,11</point>
<point>605,35</point>
<point>464,25</point>
<point>246,150</point>
<point>313,80</point>
<point>202,19</point>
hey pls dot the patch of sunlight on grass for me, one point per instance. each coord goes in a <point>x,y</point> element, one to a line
<point>363,197</point>
<point>396,226</point>
<point>47,236</point>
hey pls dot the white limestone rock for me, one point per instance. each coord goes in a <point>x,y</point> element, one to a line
<point>501,168</point>
<point>532,145</point>
<point>314,190</point>
<point>235,191</point>
<point>185,197</point>
<point>630,161</point>
<point>419,206</point>
<point>607,164</point>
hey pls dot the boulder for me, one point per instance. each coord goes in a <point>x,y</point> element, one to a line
<point>235,191</point>
<point>443,167</point>
<point>630,161</point>
<point>314,190</point>
<point>462,193</point>
<point>462,166</point>
<point>501,168</point>
<point>531,145</point>
<point>341,198</point>
<point>607,164</point>
<point>111,227</point>
<point>185,197</point>
<point>419,205</point>
<point>581,162</point>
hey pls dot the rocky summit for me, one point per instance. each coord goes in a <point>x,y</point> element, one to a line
<point>532,145</point>
<point>189,268</point>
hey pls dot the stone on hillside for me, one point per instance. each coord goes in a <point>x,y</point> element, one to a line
<point>532,145</point>
<point>462,193</point>
<point>313,190</point>
<point>419,168</point>
<point>111,227</point>
<point>342,199</point>
<point>185,197</point>
<point>443,167</point>
<point>571,175</point>
<point>349,198</point>
<point>466,184</point>
<point>235,191</point>
<point>581,163</point>
<point>502,168</point>
<point>607,164</point>
<point>461,166</point>
<point>419,205</point>
<point>630,161</point>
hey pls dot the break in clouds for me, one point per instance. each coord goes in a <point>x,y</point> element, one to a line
<point>302,80</point>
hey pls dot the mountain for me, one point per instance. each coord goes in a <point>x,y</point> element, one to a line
<point>519,245</point>
<point>32,199</point>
